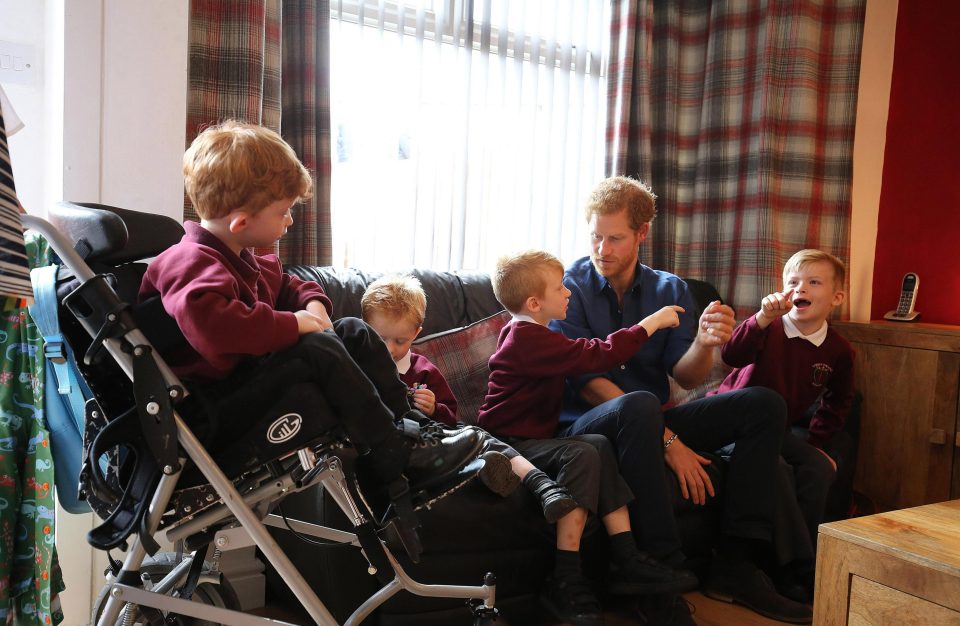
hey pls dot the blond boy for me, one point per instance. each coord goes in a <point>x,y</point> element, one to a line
<point>789,347</point>
<point>522,406</point>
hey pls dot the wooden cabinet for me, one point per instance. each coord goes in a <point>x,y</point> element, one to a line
<point>909,376</point>
<point>900,568</point>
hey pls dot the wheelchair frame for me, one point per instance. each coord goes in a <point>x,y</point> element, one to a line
<point>250,511</point>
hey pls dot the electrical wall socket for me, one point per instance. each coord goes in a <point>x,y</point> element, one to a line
<point>18,63</point>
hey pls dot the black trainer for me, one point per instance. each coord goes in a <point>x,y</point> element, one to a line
<point>554,498</point>
<point>571,600</point>
<point>497,474</point>
<point>642,574</point>
<point>669,609</point>
<point>745,583</point>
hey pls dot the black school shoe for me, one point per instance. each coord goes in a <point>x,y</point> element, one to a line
<point>571,600</point>
<point>435,457</point>
<point>643,574</point>
<point>670,609</point>
<point>745,583</point>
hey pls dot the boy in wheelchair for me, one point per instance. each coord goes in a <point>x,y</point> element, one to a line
<point>253,332</point>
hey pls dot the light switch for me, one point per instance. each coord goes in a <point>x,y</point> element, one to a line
<point>18,63</point>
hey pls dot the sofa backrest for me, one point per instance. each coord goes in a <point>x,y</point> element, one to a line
<point>454,299</point>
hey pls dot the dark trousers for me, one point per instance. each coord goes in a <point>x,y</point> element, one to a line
<point>351,366</point>
<point>586,465</point>
<point>752,418</point>
<point>805,479</point>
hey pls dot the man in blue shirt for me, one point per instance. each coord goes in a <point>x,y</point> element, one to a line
<point>611,289</point>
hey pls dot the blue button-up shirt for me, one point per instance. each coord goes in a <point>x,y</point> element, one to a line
<point>595,312</point>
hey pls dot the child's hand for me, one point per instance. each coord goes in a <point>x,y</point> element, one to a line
<point>424,401</point>
<point>307,322</point>
<point>319,311</point>
<point>667,317</point>
<point>775,305</point>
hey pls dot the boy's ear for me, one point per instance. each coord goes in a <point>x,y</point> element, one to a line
<point>838,297</point>
<point>419,330</point>
<point>239,220</point>
<point>532,304</point>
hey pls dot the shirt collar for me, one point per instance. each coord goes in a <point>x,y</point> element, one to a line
<point>601,283</point>
<point>246,264</point>
<point>403,365</point>
<point>520,317</point>
<point>817,337</point>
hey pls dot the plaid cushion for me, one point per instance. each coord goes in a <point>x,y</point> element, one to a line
<point>679,395</point>
<point>461,355</point>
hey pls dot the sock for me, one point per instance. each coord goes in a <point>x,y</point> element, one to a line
<point>623,547</point>
<point>566,564</point>
<point>536,480</point>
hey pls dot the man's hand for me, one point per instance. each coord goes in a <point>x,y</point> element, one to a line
<point>694,481</point>
<point>773,306</point>
<point>307,322</point>
<point>667,317</point>
<point>425,401</point>
<point>716,325</point>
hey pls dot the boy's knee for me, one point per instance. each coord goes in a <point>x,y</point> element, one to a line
<point>583,455</point>
<point>603,446</point>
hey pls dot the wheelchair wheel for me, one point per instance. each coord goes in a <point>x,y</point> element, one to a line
<point>219,595</point>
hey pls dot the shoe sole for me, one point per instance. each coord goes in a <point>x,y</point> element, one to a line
<point>729,599</point>
<point>497,474</point>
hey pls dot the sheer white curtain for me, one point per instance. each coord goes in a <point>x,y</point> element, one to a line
<point>464,129</point>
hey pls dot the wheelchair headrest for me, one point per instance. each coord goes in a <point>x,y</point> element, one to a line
<point>113,235</point>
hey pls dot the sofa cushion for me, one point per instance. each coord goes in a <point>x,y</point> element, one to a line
<point>462,356</point>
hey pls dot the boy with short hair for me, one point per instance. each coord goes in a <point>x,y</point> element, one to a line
<point>253,330</point>
<point>789,347</point>
<point>395,307</point>
<point>524,396</point>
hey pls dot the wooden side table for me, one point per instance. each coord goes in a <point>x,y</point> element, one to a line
<point>900,567</point>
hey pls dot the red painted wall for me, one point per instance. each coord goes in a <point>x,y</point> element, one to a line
<point>918,227</point>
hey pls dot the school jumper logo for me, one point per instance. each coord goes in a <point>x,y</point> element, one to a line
<point>284,428</point>
<point>821,374</point>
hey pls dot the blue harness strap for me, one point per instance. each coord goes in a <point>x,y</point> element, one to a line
<point>65,392</point>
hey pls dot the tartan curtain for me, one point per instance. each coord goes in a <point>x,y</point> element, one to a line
<point>305,94</point>
<point>740,115</point>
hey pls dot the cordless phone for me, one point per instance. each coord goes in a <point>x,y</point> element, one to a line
<point>908,298</point>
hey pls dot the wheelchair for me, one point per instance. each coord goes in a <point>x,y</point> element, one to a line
<point>149,476</point>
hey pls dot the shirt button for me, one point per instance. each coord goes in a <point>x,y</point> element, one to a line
<point>623,367</point>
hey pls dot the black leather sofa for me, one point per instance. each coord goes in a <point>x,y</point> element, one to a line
<point>471,532</point>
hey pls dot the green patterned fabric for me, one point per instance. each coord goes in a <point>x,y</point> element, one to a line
<point>30,577</point>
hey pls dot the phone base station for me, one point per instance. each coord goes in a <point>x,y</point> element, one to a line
<point>912,316</point>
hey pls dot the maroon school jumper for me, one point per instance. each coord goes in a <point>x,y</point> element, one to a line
<point>423,372</point>
<point>529,369</point>
<point>227,306</point>
<point>796,369</point>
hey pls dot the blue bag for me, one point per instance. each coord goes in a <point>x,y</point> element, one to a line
<point>65,392</point>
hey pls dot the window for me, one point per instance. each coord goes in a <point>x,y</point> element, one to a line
<point>464,129</point>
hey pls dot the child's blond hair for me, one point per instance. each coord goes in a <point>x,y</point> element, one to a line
<point>811,255</point>
<point>621,192</point>
<point>398,296</point>
<point>235,165</point>
<point>521,276</point>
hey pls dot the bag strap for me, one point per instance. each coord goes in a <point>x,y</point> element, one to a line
<point>44,314</point>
